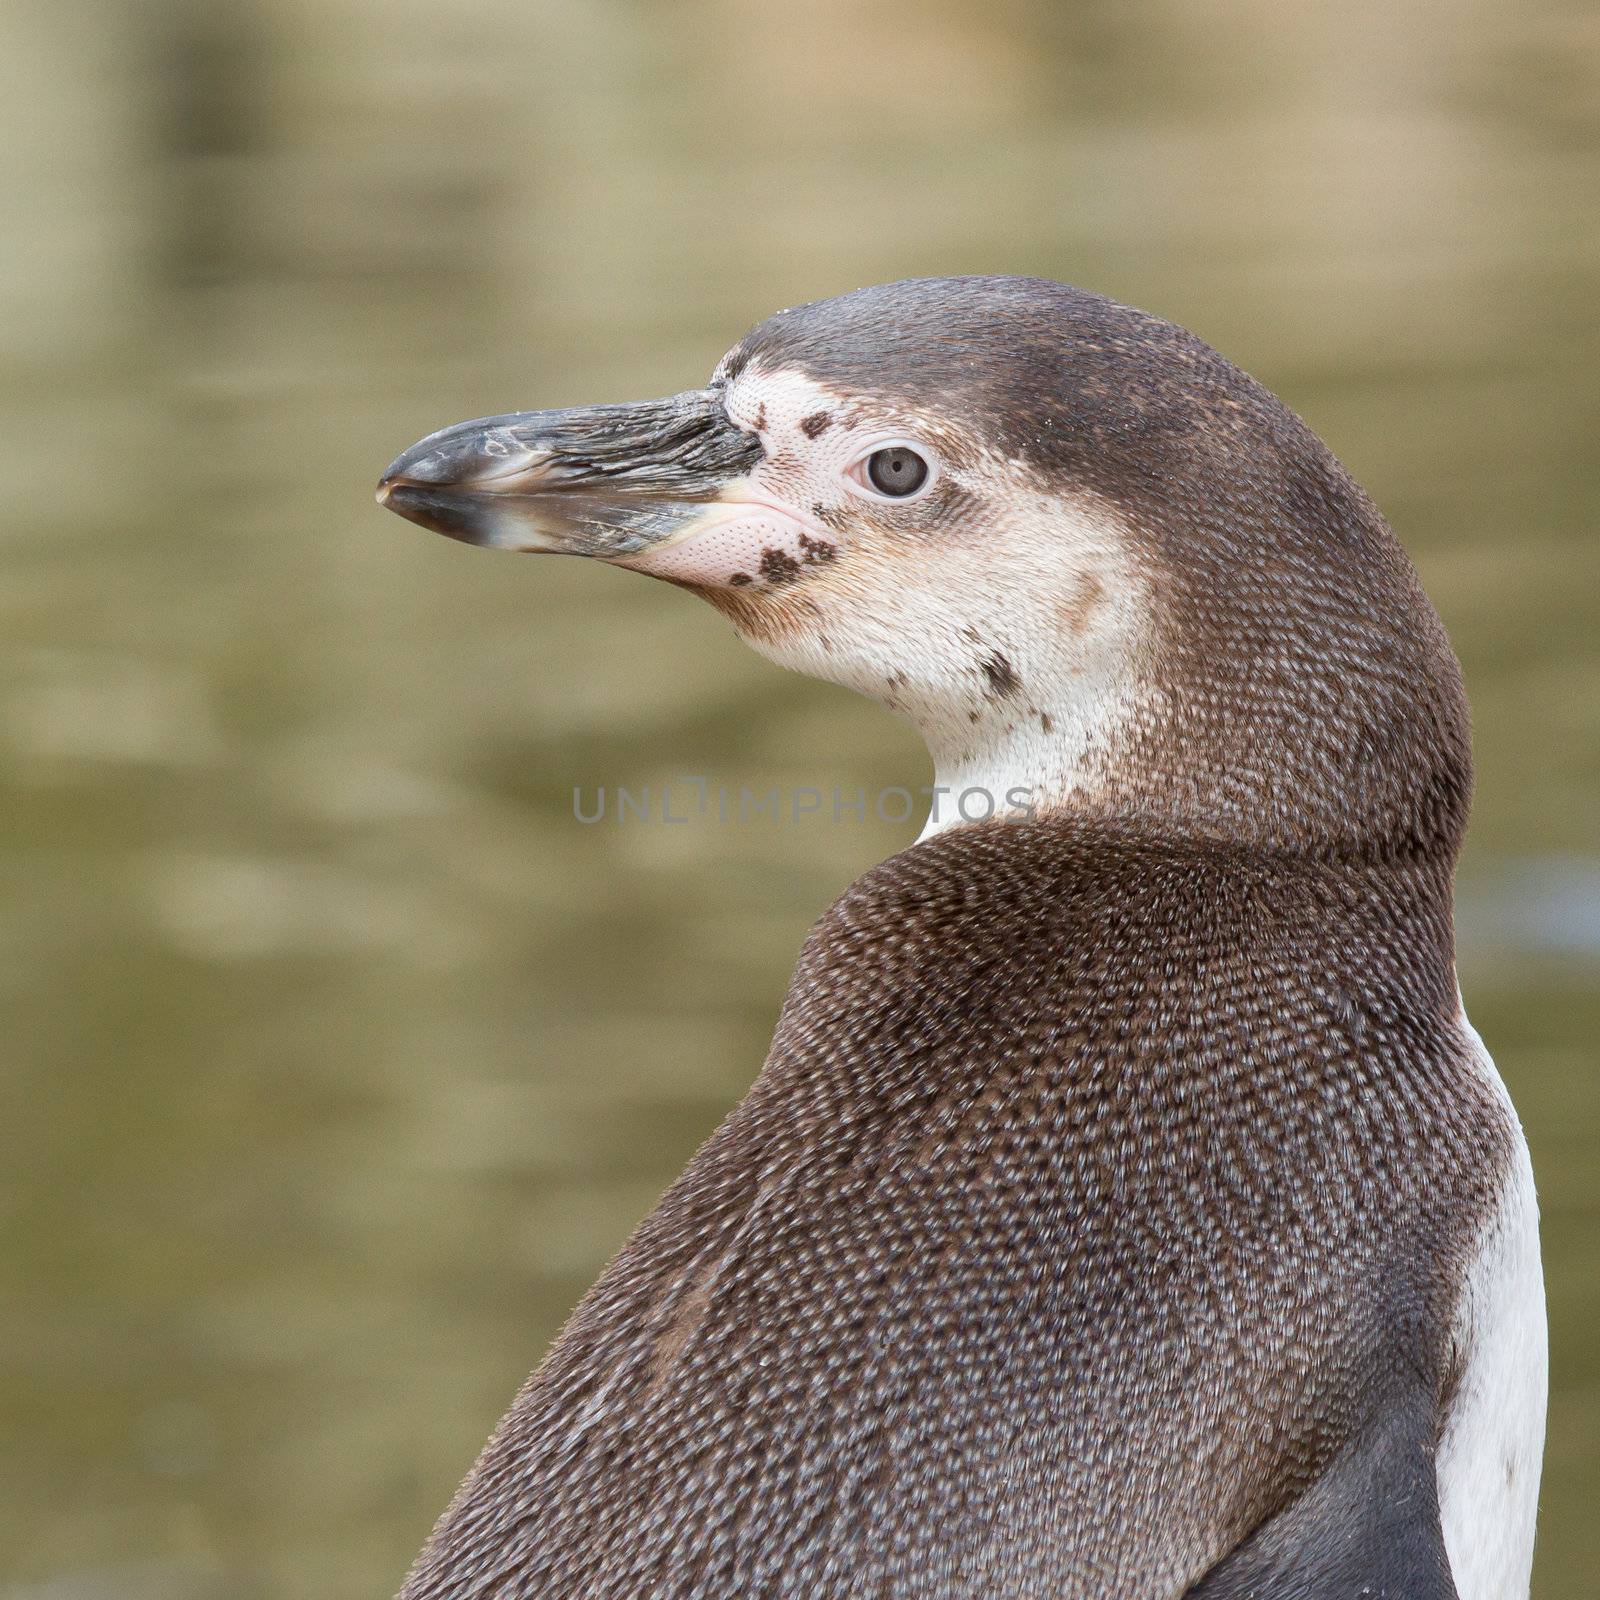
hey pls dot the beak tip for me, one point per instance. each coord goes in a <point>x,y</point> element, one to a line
<point>603,481</point>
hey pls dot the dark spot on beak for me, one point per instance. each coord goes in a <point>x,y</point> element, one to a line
<point>1002,676</point>
<point>778,566</point>
<point>817,550</point>
<point>817,422</point>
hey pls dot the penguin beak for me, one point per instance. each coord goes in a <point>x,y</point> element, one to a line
<point>606,481</point>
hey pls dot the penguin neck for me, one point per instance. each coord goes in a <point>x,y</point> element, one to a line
<point>1017,760</point>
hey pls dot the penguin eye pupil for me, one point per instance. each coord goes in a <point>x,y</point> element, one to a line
<point>896,471</point>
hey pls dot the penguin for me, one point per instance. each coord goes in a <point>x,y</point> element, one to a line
<point>1126,1209</point>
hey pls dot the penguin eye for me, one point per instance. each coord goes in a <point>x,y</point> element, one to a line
<point>896,471</point>
<point>893,472</point>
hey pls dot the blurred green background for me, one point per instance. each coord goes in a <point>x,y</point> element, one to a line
<point>340,1055</point>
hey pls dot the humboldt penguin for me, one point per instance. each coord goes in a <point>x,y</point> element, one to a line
<point>1126,1209</point>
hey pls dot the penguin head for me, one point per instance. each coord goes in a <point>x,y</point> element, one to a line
<point>1081,551</point>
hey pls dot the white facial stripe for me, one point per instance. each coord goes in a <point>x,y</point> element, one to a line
<point>1009,627</point>
<point>813,436</point>
<point>775,404</point>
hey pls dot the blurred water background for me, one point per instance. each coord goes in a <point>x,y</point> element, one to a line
<point>339,1055</point>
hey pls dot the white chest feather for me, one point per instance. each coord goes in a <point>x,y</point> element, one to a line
<point>1490,1453</point>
